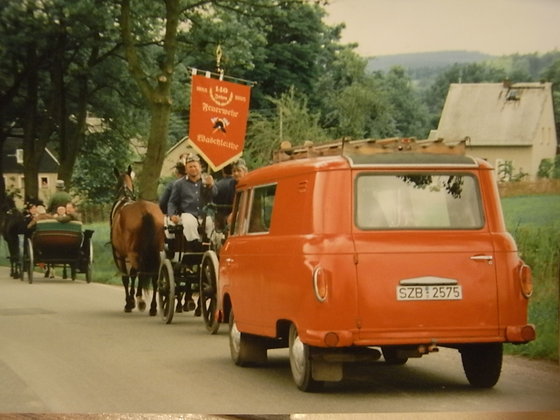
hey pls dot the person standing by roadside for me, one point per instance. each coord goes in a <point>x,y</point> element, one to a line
<point>59,198</point>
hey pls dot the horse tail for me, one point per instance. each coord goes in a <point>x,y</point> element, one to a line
<point>148,254</point>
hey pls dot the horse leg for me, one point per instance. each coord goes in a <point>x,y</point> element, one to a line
<point>129,293</point>
<point>179,306</point>
<point>139,296</point>
<point>13,249</point>
<point>189,302</point>
<point>153,305</point>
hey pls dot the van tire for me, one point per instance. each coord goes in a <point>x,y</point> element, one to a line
<point>245,349</point>
<point>482,363</point>
<point>390,356</point>
<point>301,363</point>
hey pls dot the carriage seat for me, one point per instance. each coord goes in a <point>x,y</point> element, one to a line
<point>175,241</point>
<point>53,238</point>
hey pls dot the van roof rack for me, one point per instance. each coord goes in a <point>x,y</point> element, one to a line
<point>369,147</point>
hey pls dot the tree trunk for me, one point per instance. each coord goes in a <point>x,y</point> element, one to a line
<point>148,177</point>
<point>32,154</point>
<point>157,95</point>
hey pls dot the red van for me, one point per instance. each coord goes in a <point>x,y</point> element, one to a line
<point>351,250</point>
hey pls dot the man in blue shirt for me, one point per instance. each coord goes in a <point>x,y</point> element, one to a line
<point>188,197</point>
<point>226,191</point>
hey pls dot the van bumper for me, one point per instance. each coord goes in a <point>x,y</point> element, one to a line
<point>346,338</point>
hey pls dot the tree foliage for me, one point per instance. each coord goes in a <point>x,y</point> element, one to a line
<point>88,78</point>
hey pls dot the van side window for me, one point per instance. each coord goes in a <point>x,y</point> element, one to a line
<point>239,213</point>
<point>261,208</point>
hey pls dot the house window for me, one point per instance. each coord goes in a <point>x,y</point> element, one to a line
<point>44,182</point>
<point>512,95</point>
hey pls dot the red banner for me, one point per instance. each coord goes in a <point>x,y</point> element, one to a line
<point>218,119</point>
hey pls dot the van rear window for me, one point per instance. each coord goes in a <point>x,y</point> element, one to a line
<point>417,201</point>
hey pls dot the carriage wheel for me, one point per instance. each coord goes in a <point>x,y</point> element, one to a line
<point>89,265</point>
<point>166,291</point>
<point>28,263</point>
<point>209,291</point>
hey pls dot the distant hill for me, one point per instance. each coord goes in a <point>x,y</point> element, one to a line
<point>432,60</point>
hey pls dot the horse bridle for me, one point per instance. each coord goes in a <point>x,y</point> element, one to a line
<point>125,192</point>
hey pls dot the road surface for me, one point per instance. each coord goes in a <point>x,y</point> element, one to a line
<point>68,347</point>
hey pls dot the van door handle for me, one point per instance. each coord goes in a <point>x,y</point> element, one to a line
<point>488,258</point>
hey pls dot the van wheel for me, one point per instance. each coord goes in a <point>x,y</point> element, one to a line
<point>482,363</point>
<point>245,349</point>
<point>301,363</point>
<point>390,356</point>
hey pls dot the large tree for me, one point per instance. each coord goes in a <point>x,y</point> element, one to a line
<point>51,48</point>
<point>274,42</point>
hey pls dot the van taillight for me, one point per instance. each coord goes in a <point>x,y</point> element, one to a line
<point>320,284</point>
<point>526,280</point>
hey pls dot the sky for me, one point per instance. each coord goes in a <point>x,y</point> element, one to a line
<point>496,27</point>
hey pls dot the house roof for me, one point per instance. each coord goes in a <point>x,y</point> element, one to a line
<point>494,114</point>
<point>48,163</point>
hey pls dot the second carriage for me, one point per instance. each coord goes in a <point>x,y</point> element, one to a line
<point>55,243</point>
<point>190,272</point>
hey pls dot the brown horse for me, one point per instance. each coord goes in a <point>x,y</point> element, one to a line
<point>137,239</point>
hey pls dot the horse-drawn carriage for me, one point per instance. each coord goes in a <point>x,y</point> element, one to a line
<point>55,243</point>
<point>142,249</point>
<point>187,271</point>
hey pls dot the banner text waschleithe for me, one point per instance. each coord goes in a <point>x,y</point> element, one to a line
<point>219,142</point>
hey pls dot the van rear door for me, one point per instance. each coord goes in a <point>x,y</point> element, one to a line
<point>425,260</point>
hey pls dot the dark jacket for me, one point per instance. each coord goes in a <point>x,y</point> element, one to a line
<point>189,197</point>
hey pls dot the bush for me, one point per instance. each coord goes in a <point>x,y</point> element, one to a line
<point>533,221</point>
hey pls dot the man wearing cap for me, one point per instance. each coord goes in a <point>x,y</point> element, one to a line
<point>188,197</point>
<point>59,198</point>
<point>180,172</point>
<point>226,190</point>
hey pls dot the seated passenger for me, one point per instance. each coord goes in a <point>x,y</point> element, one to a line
<point>67,213</point>
<point>40,214</point>
<point>179,172</point>
<point>188,197</point>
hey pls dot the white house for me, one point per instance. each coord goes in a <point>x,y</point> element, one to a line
<point>505,122</point>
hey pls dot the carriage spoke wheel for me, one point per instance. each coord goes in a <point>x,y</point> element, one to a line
<point>166,292</point>
<point>28,263</point>
<point>209,291</point>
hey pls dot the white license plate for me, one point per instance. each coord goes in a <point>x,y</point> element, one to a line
<point>430,292</point>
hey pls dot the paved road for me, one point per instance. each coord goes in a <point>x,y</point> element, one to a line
<point>67,347</point>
